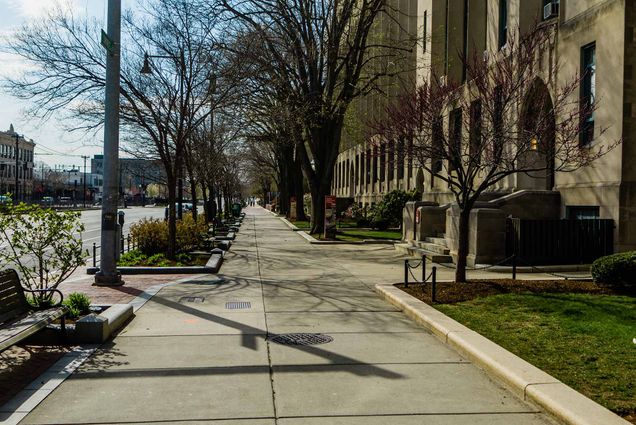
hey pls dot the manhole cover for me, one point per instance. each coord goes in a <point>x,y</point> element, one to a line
<point>238,305</point>
<point>300,339</point>
<point>191,299</point>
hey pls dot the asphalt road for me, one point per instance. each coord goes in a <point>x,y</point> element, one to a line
<point>92,224</point>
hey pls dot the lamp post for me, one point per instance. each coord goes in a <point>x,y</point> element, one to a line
<point>146,69</point>
<point>17,168</point>
<point>108,274</point>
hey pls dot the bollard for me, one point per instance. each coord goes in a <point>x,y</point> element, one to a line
<point>434,285</point>
<point>423,269</point>
<point>406,273</point>
<point>94,254</point>
<point>514,267</point>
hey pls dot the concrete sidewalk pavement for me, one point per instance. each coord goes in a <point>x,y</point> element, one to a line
<point>197,352</point>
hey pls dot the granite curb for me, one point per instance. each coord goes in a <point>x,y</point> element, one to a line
<point>525,380</point>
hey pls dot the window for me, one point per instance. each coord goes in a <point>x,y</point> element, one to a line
<point>455,139</point>
<point>550,9</point>
<point>382,162</point>
<point>425,32</point>
<point>390,174</point>
<point>437,146</point>
<point>400,159</point>
<point>588,92</point>
<point>503,23</point>
<point>475,131</point>
<point>582,212</point>
<point>368,163</point>
<point>375,164</point>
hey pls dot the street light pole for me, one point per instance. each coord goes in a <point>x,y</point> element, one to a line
<point>108,274</point>
<point>146,69</point>
<point>17,149</point>
<point>84,198</point>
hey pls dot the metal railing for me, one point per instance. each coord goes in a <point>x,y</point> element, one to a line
<point>126,244</point>
<point>408,270</point>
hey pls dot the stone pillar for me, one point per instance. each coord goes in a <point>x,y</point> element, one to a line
<point>487,236</point>
<point>432,221</point>
<point>408,220</point>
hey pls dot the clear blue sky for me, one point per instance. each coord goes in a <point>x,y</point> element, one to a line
<point>49,136</point>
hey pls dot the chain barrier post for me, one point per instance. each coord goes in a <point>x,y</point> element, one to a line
<point>514,267</point>
<point>434,285</point>
<point>423,269</point>
<point>94,255</point>
<point>406,273</point>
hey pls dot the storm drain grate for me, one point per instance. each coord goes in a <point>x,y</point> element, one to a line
<point>191,299</point>
<point>300,339</point>
<point>238,305</point>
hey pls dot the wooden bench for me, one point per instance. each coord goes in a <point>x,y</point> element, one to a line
<point>18,320</point>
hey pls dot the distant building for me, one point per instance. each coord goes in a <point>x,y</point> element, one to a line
<point>134,173</point>
<point>10,143</point>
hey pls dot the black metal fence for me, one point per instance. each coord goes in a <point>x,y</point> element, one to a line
<point>559,241</point>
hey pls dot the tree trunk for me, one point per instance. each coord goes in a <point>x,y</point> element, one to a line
<point>172,219</point>
<point>318,193</point>
<point>195,201</point>
<point>299,190</point>
<point>206,206</point>
<point>462,248</point>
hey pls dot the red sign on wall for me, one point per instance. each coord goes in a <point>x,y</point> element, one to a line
<point>330,217</point>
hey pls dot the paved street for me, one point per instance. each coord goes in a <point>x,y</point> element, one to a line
<point>92,223</point>
<point>188,358</point>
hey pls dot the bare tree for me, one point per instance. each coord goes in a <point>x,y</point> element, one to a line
<point>322,51</point>
<point>503,121</point>
<point>160,111</point>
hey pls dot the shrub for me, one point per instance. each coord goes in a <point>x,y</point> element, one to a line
<point>77,304</point>
<point>190,233</point>
<point>132,258</point>
<point>617,270</point>
<point>389,211</point>
<point>44,245</point>
<point>151,235</point>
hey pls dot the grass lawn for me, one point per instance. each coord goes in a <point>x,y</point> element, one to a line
<point>583,340</point>
<point>360,234</point>
<point>353,235</point>
<point>300,224</point>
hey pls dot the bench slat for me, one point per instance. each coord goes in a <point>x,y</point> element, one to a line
<point>28,325</point>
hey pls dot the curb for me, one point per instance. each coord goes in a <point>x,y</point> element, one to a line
<point>315,241</point>
<point>212,266</point>
<point>525,380</point>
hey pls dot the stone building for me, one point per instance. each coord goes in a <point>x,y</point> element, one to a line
<point>10,143</point>
<point>593,38</point>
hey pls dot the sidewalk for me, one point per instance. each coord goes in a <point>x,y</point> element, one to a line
<point>189,356</point>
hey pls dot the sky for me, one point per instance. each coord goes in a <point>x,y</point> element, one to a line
<point>54,145</point>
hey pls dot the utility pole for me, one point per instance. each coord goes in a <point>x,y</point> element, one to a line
<point>108,275</point>
<point>17,147</point>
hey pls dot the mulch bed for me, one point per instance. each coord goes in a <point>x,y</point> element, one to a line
<point>452,292</point>
<point>21,364</point>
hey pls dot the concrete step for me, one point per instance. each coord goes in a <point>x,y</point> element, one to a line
<point>413,251</point>
<point>431,247</point>
<point>437,241</point>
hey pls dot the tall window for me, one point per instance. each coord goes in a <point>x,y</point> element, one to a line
<point>438,146</point>
<point>503,23</point>
<point>455,139</point>
<point>400,159</point>
<point>425,31</point>
<point>475,131</point>
<point>588,92</point>
<point>382,162</point>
